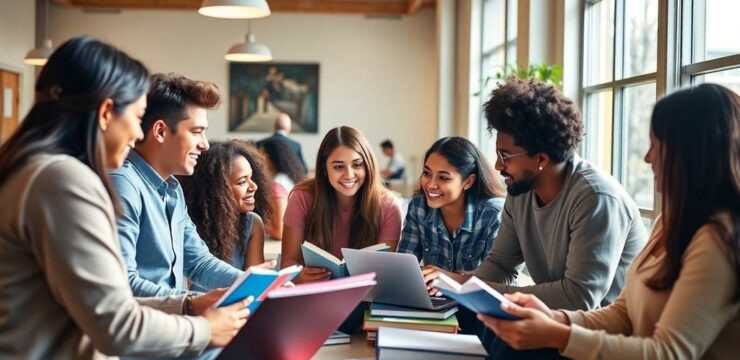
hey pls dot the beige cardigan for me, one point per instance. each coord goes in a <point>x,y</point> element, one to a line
<point>63,288</point>
<point>695,319</point>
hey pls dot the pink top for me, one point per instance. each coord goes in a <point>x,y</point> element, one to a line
<point>279,191</point>
<point>300,202</point>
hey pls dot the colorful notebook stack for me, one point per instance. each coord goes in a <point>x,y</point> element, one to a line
<point>399,317</point>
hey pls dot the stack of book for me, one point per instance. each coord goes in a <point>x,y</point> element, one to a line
<point>399,317</point>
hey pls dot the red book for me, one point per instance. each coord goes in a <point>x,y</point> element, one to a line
<point>293,323</point>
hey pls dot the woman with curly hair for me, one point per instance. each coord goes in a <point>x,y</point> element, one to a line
<point>286,170</point>
<point>226,197</point>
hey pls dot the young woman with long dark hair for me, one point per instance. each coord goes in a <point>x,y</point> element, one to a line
<point>458,192</point>
<point>63,289</point>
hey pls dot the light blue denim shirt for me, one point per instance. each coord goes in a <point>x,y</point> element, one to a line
<point>424,234</point>
<point>158,240</point>
<point>238,257</point>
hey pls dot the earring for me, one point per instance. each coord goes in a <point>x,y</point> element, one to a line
<point>540,167</point>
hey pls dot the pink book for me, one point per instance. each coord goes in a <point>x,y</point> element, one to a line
<point>293,323</point>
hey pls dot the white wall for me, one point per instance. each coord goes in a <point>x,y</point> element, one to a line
<point>17,34</point>
<point>375,74</point>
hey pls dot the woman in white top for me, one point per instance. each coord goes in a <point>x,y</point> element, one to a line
<point>63,288</point>
<point>681,298</point>
<point>286,170</point>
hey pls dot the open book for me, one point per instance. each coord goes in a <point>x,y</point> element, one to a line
<point>257,282</point>
<point>475,295</point>
<point>314,256</point>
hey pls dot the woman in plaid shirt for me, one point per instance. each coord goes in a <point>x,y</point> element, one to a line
<point>453,218</point>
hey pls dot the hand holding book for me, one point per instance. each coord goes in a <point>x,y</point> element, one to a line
<point>226,321</point>
<point>536,327</point>
<point>312,274</point>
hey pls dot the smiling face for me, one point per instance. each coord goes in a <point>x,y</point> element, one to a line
<point>242,186</point>
<point>653,157</point>
<point>181,150</point>
<point>442,183</point>
<point>345,171</point>
<point>519,171</point>
<point>122,132</point>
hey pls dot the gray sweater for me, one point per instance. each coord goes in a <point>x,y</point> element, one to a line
<point>577,248</point>
<point>63,288</point>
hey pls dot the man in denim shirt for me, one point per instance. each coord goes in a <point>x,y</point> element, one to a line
<point>158,240</point>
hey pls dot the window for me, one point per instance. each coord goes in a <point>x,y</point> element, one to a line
<point>712,46</point>
<point>622,76</point>
<point>498,52</point>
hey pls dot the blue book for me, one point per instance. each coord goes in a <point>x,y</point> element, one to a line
<point>475,295</point>
<point>257,282</point>
<point>314,256</point>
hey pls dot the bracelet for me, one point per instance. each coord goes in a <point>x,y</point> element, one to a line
<point>188,305</point>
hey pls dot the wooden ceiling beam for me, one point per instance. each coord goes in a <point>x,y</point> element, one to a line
<point>413,6</point>
<point>372,7</point>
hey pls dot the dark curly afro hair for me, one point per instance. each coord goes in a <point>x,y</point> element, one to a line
<point>537,116</point>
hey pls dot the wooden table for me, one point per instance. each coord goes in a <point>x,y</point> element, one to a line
<point>358,348</point>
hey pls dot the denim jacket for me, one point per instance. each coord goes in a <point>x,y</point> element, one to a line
<point>158,240</point>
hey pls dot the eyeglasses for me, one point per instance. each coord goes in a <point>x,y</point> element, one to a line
<point>505,158</point>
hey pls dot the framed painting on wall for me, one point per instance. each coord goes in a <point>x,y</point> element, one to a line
<point>260,92</point>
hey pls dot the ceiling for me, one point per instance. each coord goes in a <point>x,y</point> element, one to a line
<point>371,7</point>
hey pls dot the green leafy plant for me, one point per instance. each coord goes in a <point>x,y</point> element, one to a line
<point>548,74</point>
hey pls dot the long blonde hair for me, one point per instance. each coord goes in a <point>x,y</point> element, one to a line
<point>365,223</point>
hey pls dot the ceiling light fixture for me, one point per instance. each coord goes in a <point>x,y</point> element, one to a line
<point>235,9</point>
<point>250,50</point>
<point>40,55</point>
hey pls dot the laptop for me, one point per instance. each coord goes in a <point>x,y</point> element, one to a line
<point>398,276</point>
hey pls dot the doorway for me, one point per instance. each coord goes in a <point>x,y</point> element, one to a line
<point>9,101</point>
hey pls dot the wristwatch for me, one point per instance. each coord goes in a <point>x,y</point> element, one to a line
<point>188,305</point>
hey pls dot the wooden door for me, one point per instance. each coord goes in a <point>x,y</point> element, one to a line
<point>9,100</point>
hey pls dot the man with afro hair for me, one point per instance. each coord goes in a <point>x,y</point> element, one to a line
<point>574,227</point>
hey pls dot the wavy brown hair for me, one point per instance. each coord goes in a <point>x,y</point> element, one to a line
<point>169,97</point>
<point>210,201</point>
<point>365,222</point>
<point>699,133</point>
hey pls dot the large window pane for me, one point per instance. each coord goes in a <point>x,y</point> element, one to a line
<point>599,42</point>
<point>729,78</point>
<point>599,129</point>
<point>638,177</point>
<point>640,37</point>
<point>716,29</point>
<point>511,31</point>
<point>493,36</point>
